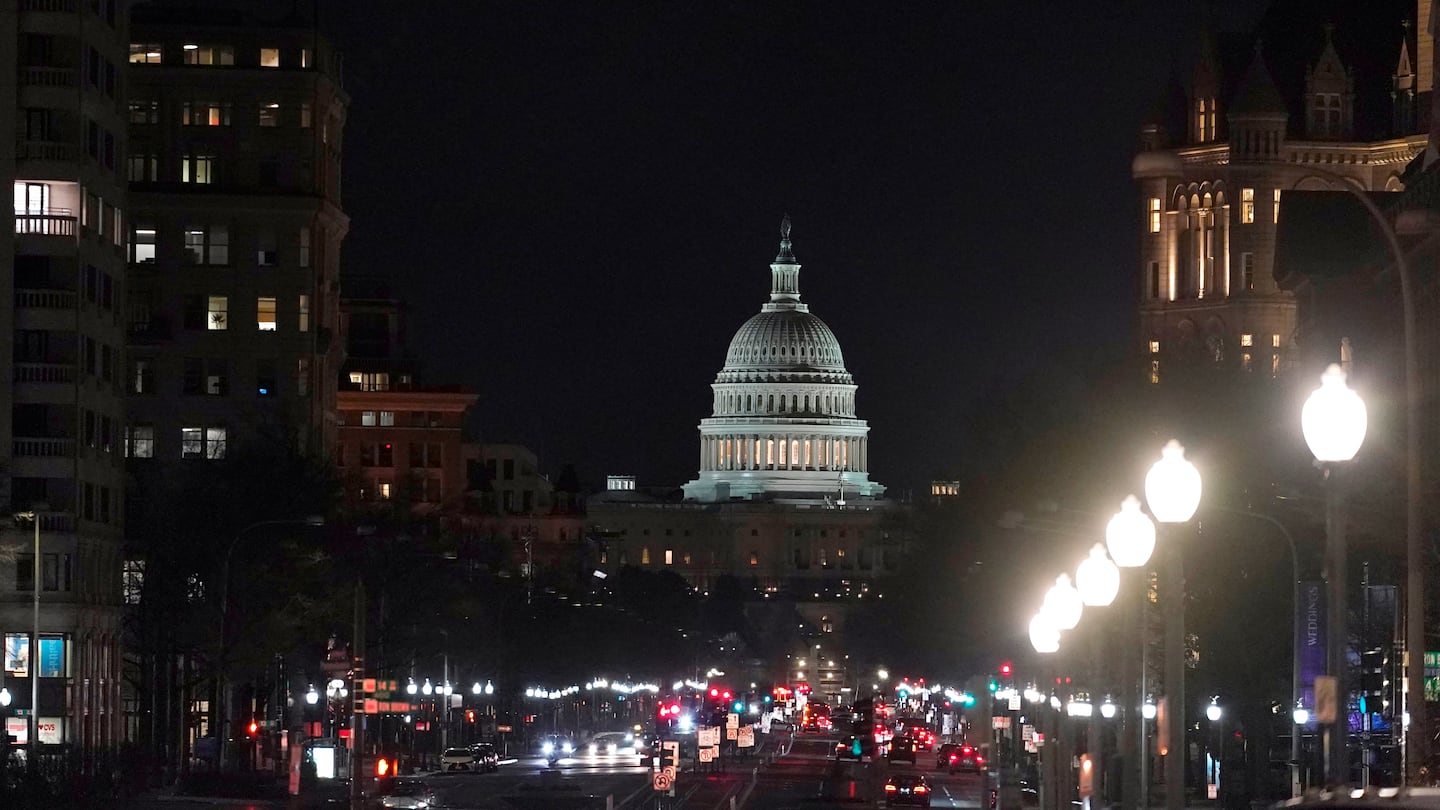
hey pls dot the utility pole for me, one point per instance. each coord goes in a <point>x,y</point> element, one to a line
<point>357,720</point>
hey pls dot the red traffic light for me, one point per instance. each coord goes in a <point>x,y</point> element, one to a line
<point>714,692</point>
<point>253,728</point>
<point>1005,669</point>
<point>382,767</point>
<point>469,715</point>
<point>727,695</point>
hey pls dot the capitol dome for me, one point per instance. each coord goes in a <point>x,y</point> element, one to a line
<point>783,422</point>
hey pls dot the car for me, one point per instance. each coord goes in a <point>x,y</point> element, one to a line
<point>612,744</point>
<point>408,794</point>
<point>557,746</point>
<point>908,789</point>
<point>903,750</point>
<point>486,757</point>
<point>457,759</point>
<point>959,758</point>
<point>854,748</point>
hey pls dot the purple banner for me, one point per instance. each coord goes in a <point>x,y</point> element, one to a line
<point>1310,639</point>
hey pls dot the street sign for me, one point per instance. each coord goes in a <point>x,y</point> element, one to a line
<point>1000,722</point>
<point>707,736</point>
<point>732,733</point>
<point>732,720</point>
<point>1027,733</point>
<point>661,781</point>
<point>705,755</point>
<point>1015,701</point>
<point>747,737</point>
<point>1326,698</point>
<point>504,729</point>
<point>669,773</point>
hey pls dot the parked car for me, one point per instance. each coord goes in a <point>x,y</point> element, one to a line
<point>408,793</point>
<point>487,759</point>
<point>457,759</point>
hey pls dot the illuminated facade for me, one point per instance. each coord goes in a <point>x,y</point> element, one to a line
<point>60,428</point>
<point>783,421</point>
<point>1211,176</point>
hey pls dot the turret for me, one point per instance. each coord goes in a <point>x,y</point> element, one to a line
<point>1257,116</point>
<point>1329,96</point>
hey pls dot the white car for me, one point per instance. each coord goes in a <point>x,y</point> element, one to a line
<point>457,759</point>
<point>612,744</point>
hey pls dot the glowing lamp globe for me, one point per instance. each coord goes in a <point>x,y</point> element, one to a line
<point>1043,635</point>
<point>1107,709</point>
<point>4,696</point>
<point>1172,487</point>
<point>1097,579</point>
<point>312,697</point>
<point>1301,715</point>
<point>1130,535</point>
<point>1063,604</point>
<point>1213,712</point>
<point>1333,419</point>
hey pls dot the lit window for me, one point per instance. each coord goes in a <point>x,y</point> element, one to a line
<point>669,556</point>
<point>754,558</point>
<point>217,311</point>
<point>133,581</point>
<point>142,246</point>
<point>304,57</point>
<point>1247,340</point>
<point>1154,215</point>
<point>265,314</point>
<point>1277,205</point>
<point>144,54</point>
<point>371,381</point>
<point>385,490</point>
<point>144,112</point>
<point>270,114</point>
<point>387,419</point>
<point>215,442</point>
<point>1154,347</point>
<point>304,319</point>
<point>197,169</point>
<point>1247,205</point>
<point>1154,372</point>
<point>205,114</point>
<point>208,245</point>
<point>367,419</point>
<point>140,441</point>
<point>270,57</point>
<point>1275,341</point>
<point>209,54</point>
<point>1247,271</point>
<point>1245,361</point>
<point>645,556</point>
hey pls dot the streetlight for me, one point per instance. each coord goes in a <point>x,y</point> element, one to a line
<point>1097,579</point>
<point>1333,421</point>
<point>1130,537</point>
<point>312,697</point>
<point>1213,711</point>
<point>1172,489</point>
<point>1044,636</point>
<point>1063,604</point>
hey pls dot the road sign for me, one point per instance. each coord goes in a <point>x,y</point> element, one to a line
<point>732,720</point>
<point>747,737</point>
<point>1326,691</point>
<point>669,772</point>
<point>709,735</point>
<point>661,781</point>
<point>705,754</point>
<point>1015,702</point>
<point>999,722</point>
<point>732,733</point>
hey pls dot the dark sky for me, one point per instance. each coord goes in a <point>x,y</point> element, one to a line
<point>580,201</point>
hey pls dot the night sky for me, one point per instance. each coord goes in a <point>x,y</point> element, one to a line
<point>580,201</point>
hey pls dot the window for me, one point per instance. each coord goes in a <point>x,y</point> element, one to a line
<point>265,314</point>
<point>265,378</point>
<point>144,54</point>
<point>304,57</point>
<point>371,380</point>
<point>1247,272</point>
<point>1154,215</point>
<point>24,572</point>
<point>208,245</point>
<point>197,169</point>
<point>305,115</point>
<point>424,455</point>
<point>1247,205</point>
<point>1277,206</point>
<point>1274,341</point>
<point>17,645</point>
<point>144,112</point>
<point>270,57</point>
<point>140,441</point>
<point>192,378</point>
<point>387,418</point>
<point>1154,279</point>
<point>142,246</point>
<point>270,114</point>
<point>143,168</point>
<point>142,376</point>
<point>1154,347</point>
<point>217,313</point>
<point>1154,372</point>
<point>209,54</point>
<point>205,114</point>
<point>304,313</point>
<point>266,253</point>
<point>754,558</point>
<point>302,376</point>
<point>1247,340</point>
<point>304,247</point>
<point>207,442</point>
<point>217,377</point>
<point>645,555</point>
<point>385,490</point>
<point>367,419</point>
<point>669,556</point>
<point>132,581</point>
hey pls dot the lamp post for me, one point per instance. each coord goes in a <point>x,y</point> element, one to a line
<point>1130,537</point>
<point>1172,488</point>
<point>1333,421</point>
<point>1215,714</point>
<point>32,740</point>
<point>1098,581</point>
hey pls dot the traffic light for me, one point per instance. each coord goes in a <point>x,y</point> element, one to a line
<point>1005,669</point>
<point>738,707</point>
<point>993,686</point>
<point>856,747</point>
<point>384,768</point>
<point>470,715</point>
<point>253,729</point>
<point>1373,680</point>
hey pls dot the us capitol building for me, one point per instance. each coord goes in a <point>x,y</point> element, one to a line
<point>783,500</point>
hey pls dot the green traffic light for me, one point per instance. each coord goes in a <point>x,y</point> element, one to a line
<point>994,686</point>
<point>855,746</point>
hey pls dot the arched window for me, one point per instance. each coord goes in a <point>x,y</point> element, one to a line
<point>807,403</point>
<point>747,403</point>
<point>795,452</point>
<point>771,408</point>
<point>782,404</point>
<point>782,452</point>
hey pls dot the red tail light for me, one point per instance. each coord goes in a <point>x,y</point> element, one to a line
<point>954,758</point>
<point>921,789</point>
<point>889,788</point>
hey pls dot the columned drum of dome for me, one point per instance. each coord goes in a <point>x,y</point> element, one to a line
<point>783,420</point>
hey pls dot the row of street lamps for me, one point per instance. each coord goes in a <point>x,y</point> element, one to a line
<point>1333,421</point>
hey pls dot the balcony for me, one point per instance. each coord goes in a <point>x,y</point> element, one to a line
<point>61,6</point>
<point>39,447</point>
<point>44,299</point>
<point>46,150</point>
<point>32,76</point>
<point>58,373</point>
<point>54,222</point>
<point>156,330</point>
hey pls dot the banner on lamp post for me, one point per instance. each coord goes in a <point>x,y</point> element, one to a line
<point>1310,641</point>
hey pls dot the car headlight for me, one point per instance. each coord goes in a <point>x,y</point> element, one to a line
<point>592,749</point>
<point>569,748</point>
<point>612,749</point>
<point>548,747</point>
